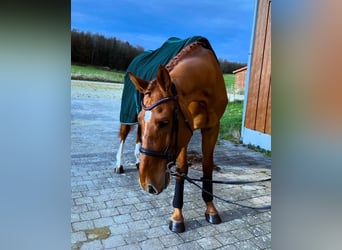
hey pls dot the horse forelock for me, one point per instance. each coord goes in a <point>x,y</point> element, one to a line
<point>153,93</point>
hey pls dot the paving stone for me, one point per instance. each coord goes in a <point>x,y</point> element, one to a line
<point>190,235</point>
<point>209,243</point>
<point>90,215</point>
<point>226,238</point>
<point>78,237</point>
<point>108,212</point>
<point>228,247</point>
<point>172,239</point>
<point>126,209</point>
<point>157,232</point>
<point>246,245</point>
<point>119,229</point>
<point>76,195</point>
<point>263,241</point>
<point>124,218</point>
<point>242,234</point>
<point>102,197</point>
<point>82,225</point>
<point>74,218</point>
<point>140,215</point>
<point>151,244</point>
<point>260,229</point>
<point>208,230</point>
<point>129,247</point>
<point>83,200</point>
<point>193,245</point>
<point>138,225</point>
<point>134,236</point>
<point>231,225</point>
<point>253,219</point>
<point>113,241</point>
<point>96,206</point>
<point>103,222</point>
<point>113,203</point>
<point>130,200</point>
<point>266,216</point>
<point>92,245</point>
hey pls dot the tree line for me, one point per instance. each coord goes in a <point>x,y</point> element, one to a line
<point>228,67</point>
<point>97,50</point>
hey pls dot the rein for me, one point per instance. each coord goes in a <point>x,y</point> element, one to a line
<point>181,174</point>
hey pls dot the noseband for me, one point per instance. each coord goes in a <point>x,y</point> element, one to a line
<point>174,131</point>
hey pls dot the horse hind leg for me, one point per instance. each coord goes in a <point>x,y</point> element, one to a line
<point>124,131</point>
<point>137,147</point>
<point>209,138</point>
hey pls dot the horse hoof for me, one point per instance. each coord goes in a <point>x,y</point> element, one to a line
<point>176,227</point>
<point>119,170</point>
<point>213,218</point>
<point>137,165</point>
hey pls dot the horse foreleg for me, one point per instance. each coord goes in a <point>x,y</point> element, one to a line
<point>176,223</point>
<point>209,138</point>
<point>124,130</point>
<point>137,147</point>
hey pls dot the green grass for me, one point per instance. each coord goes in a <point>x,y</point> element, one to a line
<point>96,74</point>
<point>260,150</point>
<point>229,80</point>
<point>231,122</point>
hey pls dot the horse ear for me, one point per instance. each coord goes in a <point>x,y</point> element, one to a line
<point>163,78</point>
<point>140,84</point>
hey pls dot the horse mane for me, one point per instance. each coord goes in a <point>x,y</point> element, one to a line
<point>185,51</point>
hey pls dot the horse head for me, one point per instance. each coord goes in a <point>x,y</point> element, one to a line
<point>162,124</point>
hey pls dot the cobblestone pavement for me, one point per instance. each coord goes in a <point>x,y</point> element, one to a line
<point>110,211</point>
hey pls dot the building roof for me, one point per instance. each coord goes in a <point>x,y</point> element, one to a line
<point>240,69</point>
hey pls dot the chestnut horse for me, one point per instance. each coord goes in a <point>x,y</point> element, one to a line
<point>188,94</point>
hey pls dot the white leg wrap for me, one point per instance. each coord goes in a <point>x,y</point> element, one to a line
<point>119,154</point>
<point>137,152</point>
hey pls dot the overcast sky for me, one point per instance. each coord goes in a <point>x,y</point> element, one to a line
<point>227,24</point>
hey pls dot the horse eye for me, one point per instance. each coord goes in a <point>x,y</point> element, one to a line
<point>163,124</point>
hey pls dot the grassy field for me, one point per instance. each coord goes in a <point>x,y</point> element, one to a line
<point>229,79</point>
<point>230,122</point>
<point>95,74</point>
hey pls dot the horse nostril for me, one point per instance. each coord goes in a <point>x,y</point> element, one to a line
<point>151,189</point>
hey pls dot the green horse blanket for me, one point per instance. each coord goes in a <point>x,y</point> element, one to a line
<point>145,66</point>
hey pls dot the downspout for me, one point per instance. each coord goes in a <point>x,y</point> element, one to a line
<point>249,65</point>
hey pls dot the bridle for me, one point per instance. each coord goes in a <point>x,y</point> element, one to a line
<point>174,130</point>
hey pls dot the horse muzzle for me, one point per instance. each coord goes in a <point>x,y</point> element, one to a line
<point>154,188</point>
